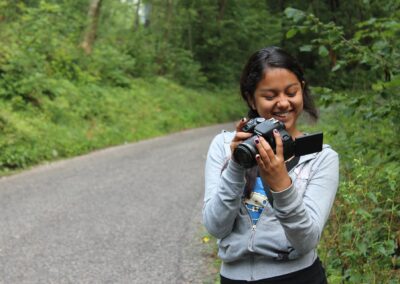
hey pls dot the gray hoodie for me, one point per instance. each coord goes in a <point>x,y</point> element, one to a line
<point>285,237</point>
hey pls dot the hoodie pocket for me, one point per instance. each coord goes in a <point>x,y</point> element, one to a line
<point>270,239</point>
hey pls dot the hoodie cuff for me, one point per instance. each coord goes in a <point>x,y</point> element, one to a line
<point>235,172</point>
<point>285,197</point>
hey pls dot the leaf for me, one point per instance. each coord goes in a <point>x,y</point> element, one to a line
<point>378,86</point>
<point>306,48</point>
<point>363,213</point>
<point>323,51</point>
<point>291,33</point>
<point>379,45</point>
<point>294,14</point>
<point>372,197</point>
<point>362,248</point>
<point>290,12</point>
<point>336,67</point>
<point>394,83</point>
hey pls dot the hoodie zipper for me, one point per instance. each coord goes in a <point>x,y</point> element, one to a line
<point>251,241</point>
<point>253,228</point>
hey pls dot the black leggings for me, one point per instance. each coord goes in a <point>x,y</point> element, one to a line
<point>314,274</point>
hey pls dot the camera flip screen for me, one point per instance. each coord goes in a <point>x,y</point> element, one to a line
<point>308,144</point>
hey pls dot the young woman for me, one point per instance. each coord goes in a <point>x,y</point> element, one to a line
<point>269,219</point>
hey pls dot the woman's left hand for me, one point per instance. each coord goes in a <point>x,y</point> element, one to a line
<point>272,166</point>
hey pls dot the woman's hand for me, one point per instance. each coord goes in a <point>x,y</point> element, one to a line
<point>272,166</point>
<point>240,136</point>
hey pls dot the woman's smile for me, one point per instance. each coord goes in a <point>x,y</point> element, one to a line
<point>282,115</point>
<point>279,95</point>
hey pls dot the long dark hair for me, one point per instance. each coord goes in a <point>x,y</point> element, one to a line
<point>259,63</point>
<point>254,70</point>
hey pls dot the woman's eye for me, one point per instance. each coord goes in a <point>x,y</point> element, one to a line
<point>269,98</point>
<point>291,94</point>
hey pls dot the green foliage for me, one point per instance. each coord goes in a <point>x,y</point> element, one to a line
<point>370,54</point>
<point>83,118</point>
<point>109,66</point>
<point>31,57</point>
<point>56,101</point>
<point>148,51</point>
<point>360,244</point>
<point>360,240</point>
<point>225,33</point>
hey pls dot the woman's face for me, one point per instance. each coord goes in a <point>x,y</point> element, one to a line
<point>279,95</point>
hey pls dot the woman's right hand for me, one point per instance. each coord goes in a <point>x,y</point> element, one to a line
<point>240,136</point>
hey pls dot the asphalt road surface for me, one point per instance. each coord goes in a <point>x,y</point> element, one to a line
<point>127,214</point>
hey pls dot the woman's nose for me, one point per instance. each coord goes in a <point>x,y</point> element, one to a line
<point>283,102</point>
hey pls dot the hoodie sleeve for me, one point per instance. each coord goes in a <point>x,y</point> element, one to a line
<point>223,190</point>
<point>303,217</point>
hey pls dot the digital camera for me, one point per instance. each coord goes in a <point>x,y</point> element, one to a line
<point>246,151</point>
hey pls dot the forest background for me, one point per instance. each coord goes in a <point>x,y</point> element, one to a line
<point>78,75</point>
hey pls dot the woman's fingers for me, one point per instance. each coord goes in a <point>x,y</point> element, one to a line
<point>279,144</point>
<point>240,124</point>
<point>260,162</point>
<point>264,151</point>
<point>240,136</point>
<point>267,149</point>
<point>272,166</point>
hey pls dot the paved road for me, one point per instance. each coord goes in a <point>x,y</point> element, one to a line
<point>128,214</point>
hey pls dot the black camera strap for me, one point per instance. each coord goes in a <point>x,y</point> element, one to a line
<point>290,164</point>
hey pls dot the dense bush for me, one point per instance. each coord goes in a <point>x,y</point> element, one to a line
<point>57,101</point>
<point>80,119</point>
<point>361,242</point>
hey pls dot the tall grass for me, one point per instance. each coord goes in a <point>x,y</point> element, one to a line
<point>83,118</point>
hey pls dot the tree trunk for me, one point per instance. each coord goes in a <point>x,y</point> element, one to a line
<point>334,5</point>
<point>147,14</point>
<point>168,19</point>
<point>137,19</point>
<point>221,10</point>
<point>91,31</point>
<point>190,40</point>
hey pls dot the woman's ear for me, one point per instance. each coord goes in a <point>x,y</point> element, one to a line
<point>251,102</point>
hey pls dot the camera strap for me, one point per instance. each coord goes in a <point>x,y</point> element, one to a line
<point>290,164</point>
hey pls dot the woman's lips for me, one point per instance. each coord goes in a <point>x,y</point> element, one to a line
<point>283,115</point>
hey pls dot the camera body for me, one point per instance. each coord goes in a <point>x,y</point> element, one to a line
<point>246,151</point>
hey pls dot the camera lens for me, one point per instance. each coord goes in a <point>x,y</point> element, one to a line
<point>245,155</point>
